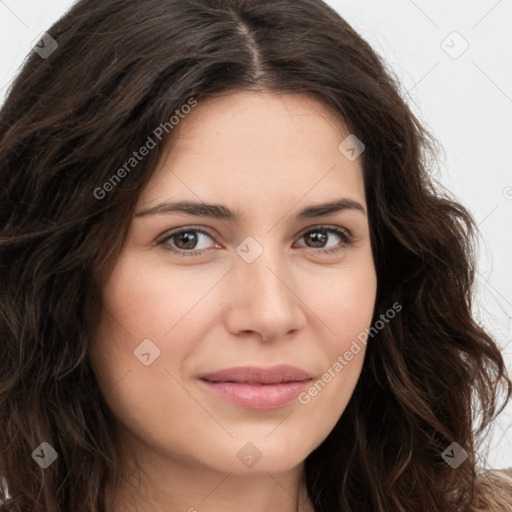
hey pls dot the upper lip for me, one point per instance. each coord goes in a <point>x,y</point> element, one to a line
<point>257,375</point>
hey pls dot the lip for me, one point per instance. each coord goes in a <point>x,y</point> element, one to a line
<point>258,375</point>
<point>255,387</point>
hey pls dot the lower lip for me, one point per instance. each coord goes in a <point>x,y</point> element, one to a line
<point>257,396</point>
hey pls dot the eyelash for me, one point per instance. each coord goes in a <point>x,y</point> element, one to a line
<point>345,236</point>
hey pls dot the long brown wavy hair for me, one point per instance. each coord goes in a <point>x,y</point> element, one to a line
<point>72,117</point>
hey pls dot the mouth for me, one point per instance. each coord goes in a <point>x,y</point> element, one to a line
<point>256,375</point>
<point>257,388</point>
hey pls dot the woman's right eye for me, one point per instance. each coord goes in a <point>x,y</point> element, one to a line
<point>184,241</point>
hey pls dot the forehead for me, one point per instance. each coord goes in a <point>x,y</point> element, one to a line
<point>273,119</point>
<point>251,146</point>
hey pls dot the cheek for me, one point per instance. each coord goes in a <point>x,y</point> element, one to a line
<point>140,308</point>
<point>148,309</point>
<point>345,307</point>
<point>344,300</point>
<point>153,303</point>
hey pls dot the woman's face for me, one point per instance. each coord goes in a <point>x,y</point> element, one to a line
<point>268,287</point>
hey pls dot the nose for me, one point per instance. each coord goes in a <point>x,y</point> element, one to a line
<point>264,298</point>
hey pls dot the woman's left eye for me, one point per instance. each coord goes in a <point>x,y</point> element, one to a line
<point>185,240</point>
<point>319,235</point>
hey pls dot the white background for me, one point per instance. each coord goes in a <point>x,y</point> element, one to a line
<point>464,100</point>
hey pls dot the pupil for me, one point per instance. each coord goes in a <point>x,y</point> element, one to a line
<point>189,239</point>
<point>317,237</point>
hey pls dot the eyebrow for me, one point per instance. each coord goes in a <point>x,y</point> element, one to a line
<point>218,211</point>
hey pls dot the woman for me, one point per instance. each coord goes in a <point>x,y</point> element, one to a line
<point>213,213</point>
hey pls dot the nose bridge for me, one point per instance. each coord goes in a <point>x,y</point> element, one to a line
<point>262,268</point>
<point>264,300</point>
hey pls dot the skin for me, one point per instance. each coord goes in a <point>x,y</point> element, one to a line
<point>268,156</point>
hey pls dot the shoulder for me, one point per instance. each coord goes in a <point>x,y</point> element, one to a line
<point>493,491</point>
